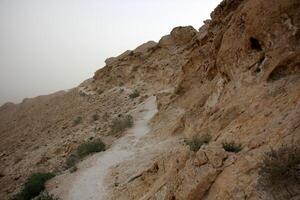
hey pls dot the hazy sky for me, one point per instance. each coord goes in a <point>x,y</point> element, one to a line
<point>50,45</point>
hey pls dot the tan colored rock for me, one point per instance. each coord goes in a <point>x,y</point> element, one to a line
<point>195,182</point>
<point>237,79</point>
<point>145,47</point>
<point>200,158</point>
<point>215,155</point>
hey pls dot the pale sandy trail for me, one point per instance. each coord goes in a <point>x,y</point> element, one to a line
<point>88,182</point>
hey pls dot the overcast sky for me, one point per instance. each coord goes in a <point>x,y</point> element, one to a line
<point>51,45</point>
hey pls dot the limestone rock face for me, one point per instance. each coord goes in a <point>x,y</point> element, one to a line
<point>236,79</point>
<point>240,83</point>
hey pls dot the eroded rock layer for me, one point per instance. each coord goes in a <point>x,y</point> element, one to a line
<point>235,79</point>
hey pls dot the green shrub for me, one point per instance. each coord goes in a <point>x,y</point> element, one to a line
<point>196,142</point>
<point>134,94</point>
<point>121,123</point>
<point>33,186</point>
<point>83,150</point>
<point>77,121</point>
<point>90,147</point>
<point>71,161</point>
<point>232,146</point>
<point>280,167</point>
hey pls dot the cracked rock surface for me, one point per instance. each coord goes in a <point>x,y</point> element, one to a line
<point>236,79</point>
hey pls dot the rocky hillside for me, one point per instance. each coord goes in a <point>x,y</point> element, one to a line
<point>236,81</point>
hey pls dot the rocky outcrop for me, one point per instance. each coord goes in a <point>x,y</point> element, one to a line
<point>236,79</point>
<point>240,83</point>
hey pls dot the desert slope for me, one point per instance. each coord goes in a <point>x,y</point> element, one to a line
<point>237,79</point>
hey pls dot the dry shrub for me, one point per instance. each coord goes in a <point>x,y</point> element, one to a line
<point>119,124</point>
<point>196,142</point>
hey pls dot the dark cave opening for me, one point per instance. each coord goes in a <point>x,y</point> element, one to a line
<point>255,45</point>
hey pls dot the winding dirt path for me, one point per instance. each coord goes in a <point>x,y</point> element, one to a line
<point>88,182</point>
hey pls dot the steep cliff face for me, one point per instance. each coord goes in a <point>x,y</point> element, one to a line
<point>237,79</point>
